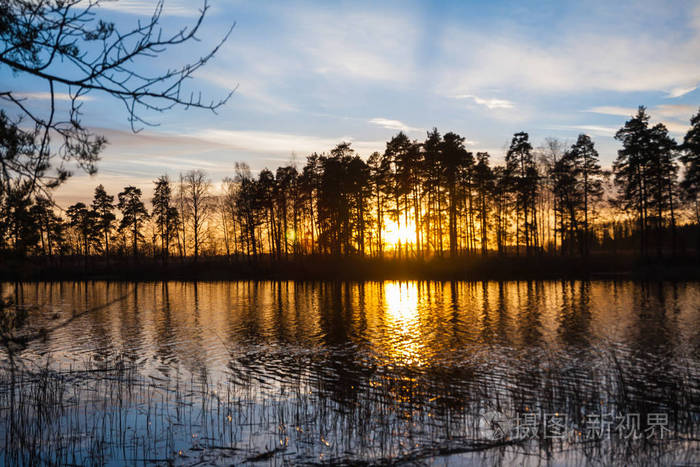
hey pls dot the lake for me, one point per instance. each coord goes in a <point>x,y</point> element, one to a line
<point>463,373</point>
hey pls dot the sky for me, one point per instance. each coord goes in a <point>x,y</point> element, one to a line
<point>308,75</point>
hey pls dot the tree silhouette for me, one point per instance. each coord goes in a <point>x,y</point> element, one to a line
<point>335,201</point>
<point>43,216</point>
<point>20,226</point>
<point>433,185</point>
<point>248,208</point>
<point>484,184</point>
<point>134,214</point>
<point>646,173</point>
<point>569,201</point>
<point>577,185</point>
<point>360,191</point>
<point>663,173</point>
<point>691,161</point>
<point>588,174</point>
<point>546,200</point>
<point>103,206</point>
<point>83,220</point>
<point>165,216</point>
<point>309,183</point>
<point>520,168</point>
<point>66,46</point>
<point>454,158</point>
<point>197,198</point>
<point>285,188</point>
<point>377,184</point>
<point>630,169</point>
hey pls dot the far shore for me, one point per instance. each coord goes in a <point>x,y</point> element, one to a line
<point>319,267</point>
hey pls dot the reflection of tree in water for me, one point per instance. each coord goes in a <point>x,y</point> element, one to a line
<point>575,314</point>
<point>165,331</point>
<point>315,363</point>
<point>652,375</point>
<point>529,313</point>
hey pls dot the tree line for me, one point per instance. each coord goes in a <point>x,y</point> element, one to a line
<point>416,199</point>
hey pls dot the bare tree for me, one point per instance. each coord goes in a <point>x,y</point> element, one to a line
<point>197,187</point>
<point>65,44</point>
<point>227,210</point>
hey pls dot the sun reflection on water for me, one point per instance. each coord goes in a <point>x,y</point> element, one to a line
<point>403,323</point>
<point>401,300</point>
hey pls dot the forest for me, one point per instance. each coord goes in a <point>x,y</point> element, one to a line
<point>417,199</point>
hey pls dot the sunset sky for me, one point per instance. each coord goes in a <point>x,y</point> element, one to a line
<point>311,74</point>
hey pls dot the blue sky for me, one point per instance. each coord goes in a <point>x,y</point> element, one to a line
<point>310,74</point>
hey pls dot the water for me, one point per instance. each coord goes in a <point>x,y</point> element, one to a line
<point>282,372</point>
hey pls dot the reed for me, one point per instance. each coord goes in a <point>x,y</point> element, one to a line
<point>115,413</point>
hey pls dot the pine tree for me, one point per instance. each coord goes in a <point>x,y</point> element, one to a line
<point>691,162</point>
<point>163,213</point>
<point>103,206</point>
<point>84,221</point>
<point>134,214</point>
<point>484,183</point>
<point>520,167</point>
<point>630,169</point>
<point>588,185</point>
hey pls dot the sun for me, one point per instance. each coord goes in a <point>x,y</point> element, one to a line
<point>395,233</point>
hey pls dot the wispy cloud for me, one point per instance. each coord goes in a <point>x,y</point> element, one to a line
<point>676,127</point>
<point>138,7</point>
<point>272,144</point>
<point>369,45</point>
<point>488,103</point>
<point>679,91</point>
<point>675,110</point>
<point>580,59</point>
<point>59,96</point>
<point>596,130</point>
<point>393,125</point>
<point>664,110</point>
<point>265,142</point>
<point>255,88</point>
<point>674,116</point>
<point>613,110</point>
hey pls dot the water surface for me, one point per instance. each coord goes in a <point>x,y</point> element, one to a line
<point>294,372</point>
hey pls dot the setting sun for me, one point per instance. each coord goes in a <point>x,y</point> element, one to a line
<point>404,233</point>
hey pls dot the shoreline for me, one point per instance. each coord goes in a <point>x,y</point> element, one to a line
<point>595,267</point>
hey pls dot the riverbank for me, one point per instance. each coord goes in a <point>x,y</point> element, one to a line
<point>356,268</point>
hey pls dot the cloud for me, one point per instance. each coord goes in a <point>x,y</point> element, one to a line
<point>488,103</point>
<point>265,142</point>
<point>130,141</point>
<point>249,87</point>
<point>675,110</point>
<point>393,124</point>
<point>138,7</point>
<point>613,110</point>
<point>367,45</point>
<point>126,144</point>
<point>674,116</point>
<point>596,130</point>
<point>676,127</point>
<point>59,96</point>
<point>683,111</point>
<point>582,57</point>
<point>679,91</point>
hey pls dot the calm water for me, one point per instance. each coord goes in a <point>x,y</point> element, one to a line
<point>284,372</point>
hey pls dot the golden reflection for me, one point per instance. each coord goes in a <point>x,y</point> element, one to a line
<point>401,300</point>
<point>403,323</point>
